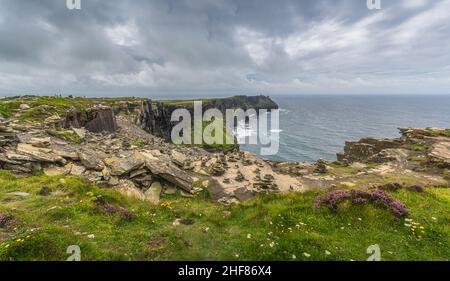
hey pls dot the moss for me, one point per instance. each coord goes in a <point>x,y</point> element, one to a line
<point>418,147</point>
<point>138,143</point>
<point>65,135</point>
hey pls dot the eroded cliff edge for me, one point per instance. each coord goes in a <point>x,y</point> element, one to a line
<point>99,140</point>
<point>155,117</point>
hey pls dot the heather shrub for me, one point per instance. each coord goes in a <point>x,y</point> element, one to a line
<point>360,197</point>
<point>396,186</point>
<point>112,210</point>
<point>5,220</point>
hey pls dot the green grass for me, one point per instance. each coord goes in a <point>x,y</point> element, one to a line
<point>8,107</point>
<point>418,147</point>
<point>65,135</point>
<point>218,147</point>
<point>445,132</point>
<point>42,107</point>
<point>138,143</point>
<point>271,227</point>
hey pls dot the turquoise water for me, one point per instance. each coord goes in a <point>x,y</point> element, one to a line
<point>314,127</point>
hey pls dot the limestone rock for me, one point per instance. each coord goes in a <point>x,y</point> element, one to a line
<point>40,142</point>
<point>321,167</point>
<point>121,166</point>
<point>178,158</point>
<point>96,120</point>
<point>170,190</point>
<point>167,171</point>
<point>244,193</point>
<point>153,193</point>
<point>440,154</point>
<point>127,188</point>
<point>40,154</point>
<point>91,160</point>
<point>24,106</point>
<point>81,132</point>
<point>77,170</point>
<point>54,171</point>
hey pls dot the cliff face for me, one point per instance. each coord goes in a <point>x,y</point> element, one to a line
<point>155,116</point>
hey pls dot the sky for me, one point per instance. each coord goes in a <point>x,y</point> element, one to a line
<point>222,47</point>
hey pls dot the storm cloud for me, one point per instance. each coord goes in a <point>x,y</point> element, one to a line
<point>211,47</point>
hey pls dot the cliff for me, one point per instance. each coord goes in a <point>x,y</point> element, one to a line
<point>155,115</point>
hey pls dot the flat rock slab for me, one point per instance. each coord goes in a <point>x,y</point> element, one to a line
<point>440,152</point>
<point>39,154</point>
<point>167,171</point>
<point>121,166</point>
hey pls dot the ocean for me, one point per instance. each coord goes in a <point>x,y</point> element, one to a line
<point>317,126</point>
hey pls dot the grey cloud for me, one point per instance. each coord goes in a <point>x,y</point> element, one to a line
<point>139,47</point>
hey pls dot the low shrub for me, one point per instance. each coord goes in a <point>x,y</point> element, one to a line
<point>361,197</point>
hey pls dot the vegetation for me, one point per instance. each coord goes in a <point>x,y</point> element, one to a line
<point>41,107</point>
<point>138,143</point>
<point>419,147</point>
<point>269,227</point>
<point>7,108</point>
<point>65,135</point>
<point>220,147</point>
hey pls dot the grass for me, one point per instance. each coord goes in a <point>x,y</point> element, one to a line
<point>271,227</point>
<point>42,107</point>
<point>444,133</point>
<point>214,146</point>
<point>7,108</point>
<point>418,147</point>
<point>138,143</point>
<point>65,135</point>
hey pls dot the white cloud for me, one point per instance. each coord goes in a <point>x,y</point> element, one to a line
<point>126,35</point>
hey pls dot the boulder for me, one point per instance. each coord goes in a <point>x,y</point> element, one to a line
<point>244,193</point>
<point>440,154</point>
<point>24,106</point>
<point>127,188</point>
<point>18,157</point>
<point>91,160</point>
<point>81,132</point>
<point>77,170</point>
<point>153,193</point>
<point>178,158</point>
<point>166,170</point>
<point>121,166</point>
<point>321,167</point>
<point>40,142</point>
<point>55,171</point>
<point>66,151</point>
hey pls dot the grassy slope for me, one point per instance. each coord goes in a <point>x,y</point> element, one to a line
<point>68,216</point>
<point>43,107</point>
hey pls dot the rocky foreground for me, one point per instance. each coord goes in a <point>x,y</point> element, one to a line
<point>100,174</point>
<point>111,145</point>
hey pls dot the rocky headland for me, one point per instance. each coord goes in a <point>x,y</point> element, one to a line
<point>122,144</point>
<point>100,173</point>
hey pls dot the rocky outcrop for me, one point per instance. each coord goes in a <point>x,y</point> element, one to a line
<point>155,116</point>
<point>366,149</point>
<point>431,145</point>
<point>440,154</point>
<point>96,120</point>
